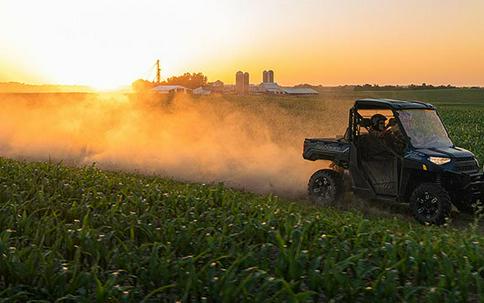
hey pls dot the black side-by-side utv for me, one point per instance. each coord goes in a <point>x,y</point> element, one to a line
<point>400,151</point>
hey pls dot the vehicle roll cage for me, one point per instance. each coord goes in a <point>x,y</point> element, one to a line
<point>356,120</point>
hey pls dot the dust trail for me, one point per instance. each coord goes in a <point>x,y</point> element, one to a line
<point>252,143</point>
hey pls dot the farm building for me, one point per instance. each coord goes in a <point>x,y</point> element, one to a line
<point>270,88</point>
<point>275,89</point>
<point>167,89</point>
<point>201,91</point>
<point>299,91</point>
<point>242,83</point>
<point>217,86</point>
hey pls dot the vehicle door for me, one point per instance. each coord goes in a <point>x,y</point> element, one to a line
<point>377,156</point>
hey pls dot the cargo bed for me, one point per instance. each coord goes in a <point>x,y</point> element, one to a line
<point>336,150</point>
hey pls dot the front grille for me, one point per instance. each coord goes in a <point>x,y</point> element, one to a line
<point>467,165</point>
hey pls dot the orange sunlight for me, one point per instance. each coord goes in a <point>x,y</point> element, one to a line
<point>108,44</point>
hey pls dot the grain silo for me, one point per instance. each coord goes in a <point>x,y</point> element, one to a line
<point>239,82</point>
<point>264,77</point>
<point>270,76</point>
<point>246,83</point>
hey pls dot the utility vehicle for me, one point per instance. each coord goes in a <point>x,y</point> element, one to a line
<point>399,151</point>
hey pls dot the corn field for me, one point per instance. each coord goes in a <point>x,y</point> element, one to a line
<point>84,235</point>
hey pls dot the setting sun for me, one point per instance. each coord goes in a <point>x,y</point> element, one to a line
<point>107,44</point>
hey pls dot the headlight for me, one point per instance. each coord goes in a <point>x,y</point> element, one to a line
<point>439,160</point>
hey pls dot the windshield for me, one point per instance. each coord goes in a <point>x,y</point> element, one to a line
<point>424,128</point>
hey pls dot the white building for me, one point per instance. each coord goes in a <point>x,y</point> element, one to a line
<point>275,89</point>
<point>201,91</point>
<point>270,88</point>
<point>168,89</point>
<point>300,91</point>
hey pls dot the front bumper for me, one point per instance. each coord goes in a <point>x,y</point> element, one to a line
<point>476,187</point>
<point>467,187</point>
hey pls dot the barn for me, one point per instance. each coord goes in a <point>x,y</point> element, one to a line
<point>168,89</point>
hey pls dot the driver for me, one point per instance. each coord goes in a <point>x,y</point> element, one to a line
<point>378,127</point>
<point>375,146</point>
<point>393,136</point>
<point>390,135</point>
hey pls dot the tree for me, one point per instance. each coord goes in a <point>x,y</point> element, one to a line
<point>190,80</point>
<point>141,85</point>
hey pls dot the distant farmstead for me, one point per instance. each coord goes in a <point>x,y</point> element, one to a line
<point>217,86</point>
<point>171,89</point>
<point>299,91</point>
<point>201,91</point>
<point>268,86</point>
<point>274,89</point>
<point>242,85</point>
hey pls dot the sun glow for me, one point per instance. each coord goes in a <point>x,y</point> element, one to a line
<point>107,44</point>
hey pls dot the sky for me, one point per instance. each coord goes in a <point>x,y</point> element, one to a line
<point>106,44</point>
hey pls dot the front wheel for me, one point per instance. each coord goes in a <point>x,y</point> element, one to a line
<point>326,187</point>
<point>430,203</point>
<point>469,208</point>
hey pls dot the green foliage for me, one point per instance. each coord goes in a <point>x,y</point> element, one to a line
<point>190,80</point>
<point>141,85</point>
<point>70,234</point>
<point>466,126</point>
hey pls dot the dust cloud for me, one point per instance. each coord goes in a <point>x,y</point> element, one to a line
<point>251,143</point>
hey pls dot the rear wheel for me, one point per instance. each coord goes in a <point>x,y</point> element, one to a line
<point>430,203</point>
<point>326,187</point>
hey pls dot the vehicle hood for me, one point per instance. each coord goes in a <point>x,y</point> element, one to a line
<point>449,152</point>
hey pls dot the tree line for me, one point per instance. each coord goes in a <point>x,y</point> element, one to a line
<point>369,87</point>
<point>189,80</point>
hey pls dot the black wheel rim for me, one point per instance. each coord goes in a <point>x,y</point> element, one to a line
<point>323,189</point>
<point>428,206</point>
